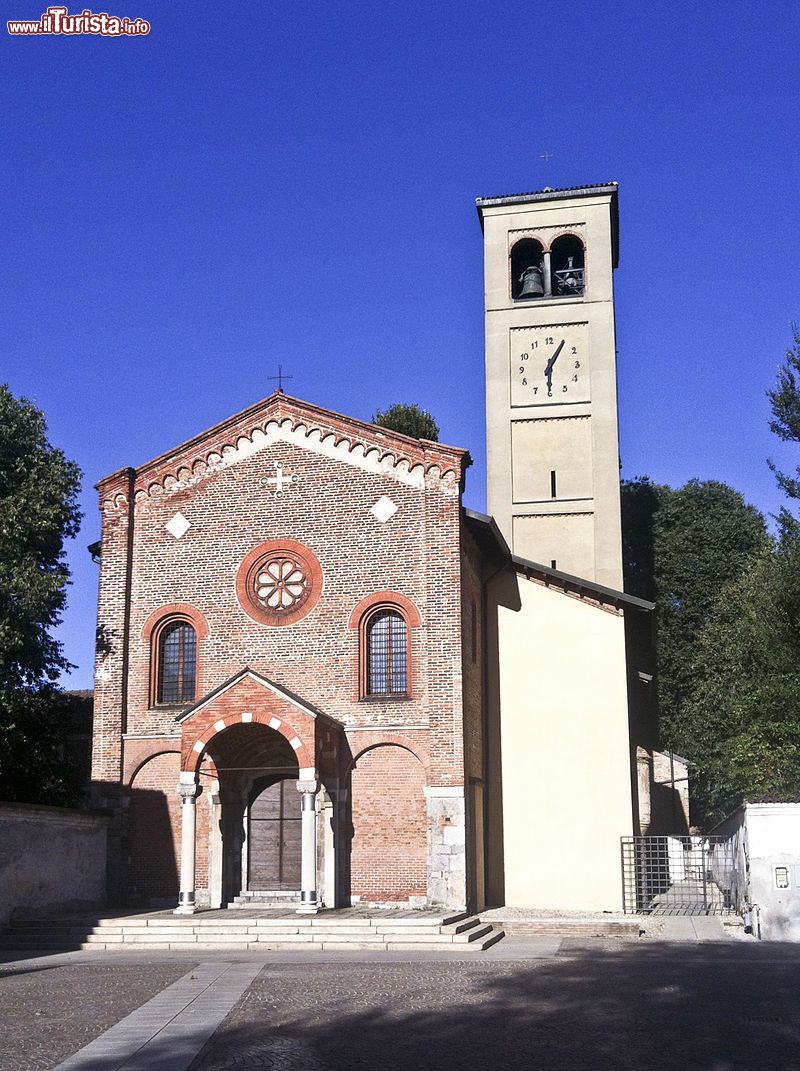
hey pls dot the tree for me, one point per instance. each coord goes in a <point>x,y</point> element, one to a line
<point>38,511</point>
<point>408,420</point>
<point>785,423</point>
<point>743,718</point>
<point>681,548</point>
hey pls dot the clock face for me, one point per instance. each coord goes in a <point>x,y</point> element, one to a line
<point>550,365</point>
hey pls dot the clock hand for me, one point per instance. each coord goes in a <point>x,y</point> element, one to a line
<point>555,357</point>
<point>548,371</point>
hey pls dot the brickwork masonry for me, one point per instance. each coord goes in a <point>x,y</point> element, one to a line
<point>223,484</point>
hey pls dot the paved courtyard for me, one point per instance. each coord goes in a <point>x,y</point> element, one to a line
<point>543,1004</point>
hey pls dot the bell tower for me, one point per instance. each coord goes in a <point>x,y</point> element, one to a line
<point>551,392</point>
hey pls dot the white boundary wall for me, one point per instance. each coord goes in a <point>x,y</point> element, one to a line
<point>767,850</point>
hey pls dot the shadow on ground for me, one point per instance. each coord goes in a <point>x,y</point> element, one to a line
<point>652,1007</point>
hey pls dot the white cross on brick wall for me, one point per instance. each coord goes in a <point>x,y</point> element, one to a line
<point>281,478</point>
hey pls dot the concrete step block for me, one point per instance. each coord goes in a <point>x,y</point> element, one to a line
<point>430,931</point>
<point>103,938</point>
<point>162,945</point>
<point>332,945</point>
<point>418,938</point>
<point>220,923</point>
<point>156,938</point>
<point>283,938</point>
<point>468,936</point>
<point>321,923</point>
<point>342,933</point>
<point>465,924</point>
<point>210,946</point>
<point>455,916</point>
<point>407,923</point>
<point>268,945</point>
<point>276,931</point>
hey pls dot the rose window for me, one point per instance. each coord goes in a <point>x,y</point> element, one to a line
<point>281,584</point>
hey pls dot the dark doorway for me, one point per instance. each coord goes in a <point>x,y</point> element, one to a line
<point>274,837</point>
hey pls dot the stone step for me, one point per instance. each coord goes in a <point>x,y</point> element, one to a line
<point>468,936</point>
<point>254,932</point>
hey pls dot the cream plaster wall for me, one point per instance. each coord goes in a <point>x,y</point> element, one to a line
<point>539,446</point>
<point>565,753</point>
<point>588,216</point>
<point>568,545</point>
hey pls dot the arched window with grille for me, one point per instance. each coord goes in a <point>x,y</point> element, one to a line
<point>387,654</point>
<point>385,623</point>
<point>176,675</point>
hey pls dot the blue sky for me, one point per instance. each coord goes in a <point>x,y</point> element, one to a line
<point>258,183</point>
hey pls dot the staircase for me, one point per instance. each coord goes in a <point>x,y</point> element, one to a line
<point>248,898</point>
<point>346,929</point>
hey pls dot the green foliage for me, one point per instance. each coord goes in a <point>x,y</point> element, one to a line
<point>743,718</point>
<point>785,423</point>
<point>38,511</point>
<point>408,420</point>
<point>45,746</point>
<point>681,548</point>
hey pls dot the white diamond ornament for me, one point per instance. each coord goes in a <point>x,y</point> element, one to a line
<point>178,526</point>
<point>384,509</point>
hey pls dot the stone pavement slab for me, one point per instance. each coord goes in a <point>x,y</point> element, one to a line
<point>624,1007</point>
<point>52,1005</point>
<point>167,1032</point>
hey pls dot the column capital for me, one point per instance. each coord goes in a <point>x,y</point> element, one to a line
<point>306,785</point>
<point>188,792</point>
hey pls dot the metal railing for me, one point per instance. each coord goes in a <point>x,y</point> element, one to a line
<point>686,875</point>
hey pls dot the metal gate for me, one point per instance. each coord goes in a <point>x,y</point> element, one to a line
<point>690,875</point>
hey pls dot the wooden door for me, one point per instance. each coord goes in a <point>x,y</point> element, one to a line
<point>274,839</point>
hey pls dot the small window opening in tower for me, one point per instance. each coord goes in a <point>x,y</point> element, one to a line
<point>567,266</point>
<point>527,269</point>
<point>552,483</point>
<point>552,563</point>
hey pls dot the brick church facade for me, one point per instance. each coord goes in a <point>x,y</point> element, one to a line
<point>320,679</point>
<point>297,593</point>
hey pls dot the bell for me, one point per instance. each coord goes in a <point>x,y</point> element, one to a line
<point>531,280</point>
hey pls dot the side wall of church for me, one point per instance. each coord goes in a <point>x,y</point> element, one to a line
<point>564,742</point>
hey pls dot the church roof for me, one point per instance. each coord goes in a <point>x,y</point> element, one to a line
<point>547,194</point>
<point>245,429</point>
<point>562,194</point>
<point>491,538</point>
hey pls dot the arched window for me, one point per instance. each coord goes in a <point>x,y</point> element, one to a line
<point>385,621</point>
<point>567,266</point>
<point>527,269</point>
<point>177,663</point>
<point>387,654</point>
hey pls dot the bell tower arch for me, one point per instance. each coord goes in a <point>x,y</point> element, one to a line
<point>552,435</point>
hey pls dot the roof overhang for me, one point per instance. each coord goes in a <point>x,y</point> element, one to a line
<point>490,538</point>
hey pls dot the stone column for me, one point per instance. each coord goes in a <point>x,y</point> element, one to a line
<point>308,871</point>
<point>188,791</point>
<point>548,274</point>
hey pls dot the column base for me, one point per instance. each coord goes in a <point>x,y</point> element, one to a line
<point>184,909</point>
<point>307,909</point>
